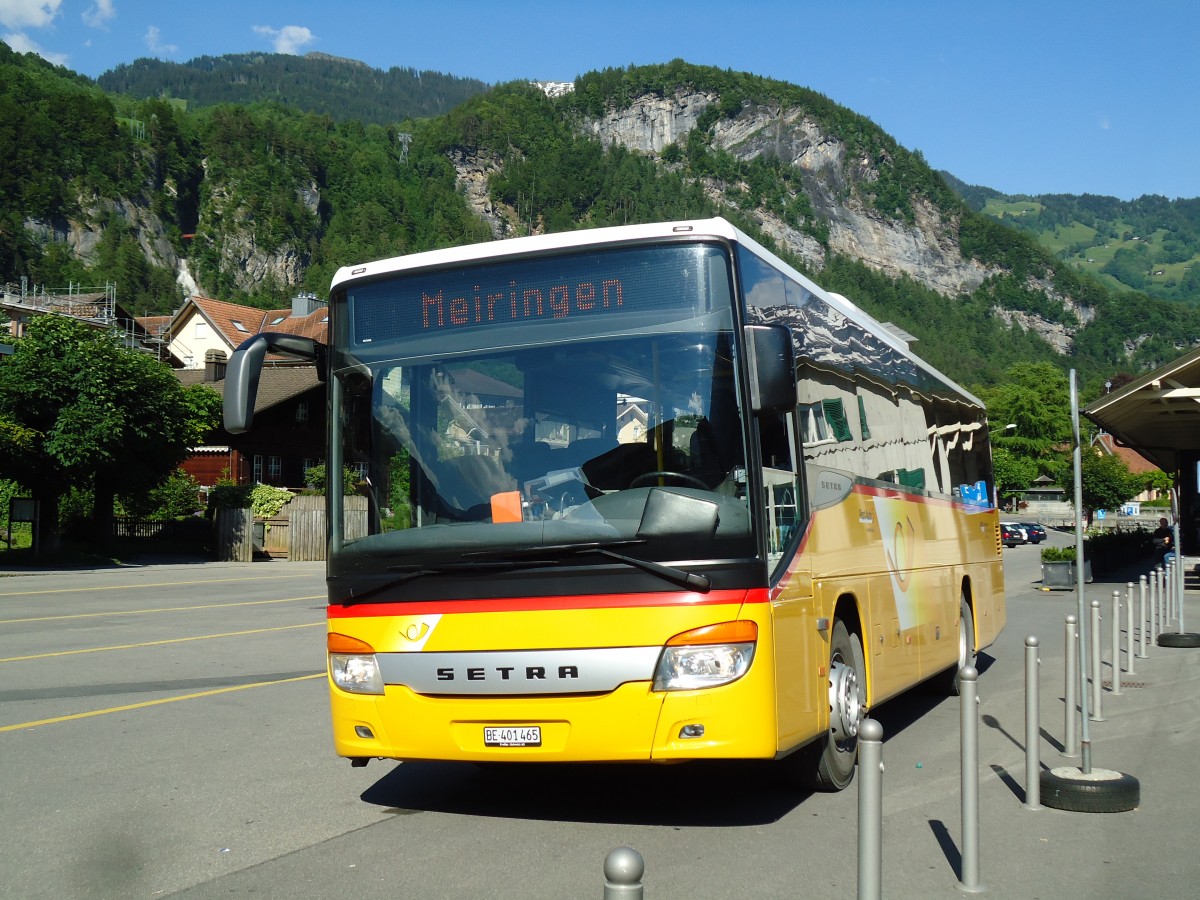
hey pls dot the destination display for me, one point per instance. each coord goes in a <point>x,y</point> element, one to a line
<point>681,279</point>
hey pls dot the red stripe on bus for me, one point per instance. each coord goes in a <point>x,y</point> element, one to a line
<point>539,604</point>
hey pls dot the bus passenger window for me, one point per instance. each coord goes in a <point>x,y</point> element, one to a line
<point>782,501</point>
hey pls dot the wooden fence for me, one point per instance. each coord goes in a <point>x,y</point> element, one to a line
<point>306,529</point>
<point>233,534</point>
<point>297,533</point>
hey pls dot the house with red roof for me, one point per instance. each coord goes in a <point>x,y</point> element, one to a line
<point>289,423</point>
<point>204,325</point>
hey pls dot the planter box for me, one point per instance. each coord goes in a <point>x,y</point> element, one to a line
<point>1061,575</point>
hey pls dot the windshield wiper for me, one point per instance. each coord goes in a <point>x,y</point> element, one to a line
<point>412,572</point>
<point>672,574</point>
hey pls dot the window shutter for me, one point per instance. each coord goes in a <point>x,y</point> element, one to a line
<point>835,415</point>
<point>862,420</point>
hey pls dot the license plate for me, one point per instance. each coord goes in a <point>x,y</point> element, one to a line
<point>513,736</point>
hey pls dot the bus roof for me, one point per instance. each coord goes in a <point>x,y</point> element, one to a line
<point>715,227</point>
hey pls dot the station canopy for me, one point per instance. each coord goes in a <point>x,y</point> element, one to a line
<point>1158,415</point>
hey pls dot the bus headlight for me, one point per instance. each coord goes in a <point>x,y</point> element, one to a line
<point>352,665</point>
<point>357,674</point>
<point>707,657</point>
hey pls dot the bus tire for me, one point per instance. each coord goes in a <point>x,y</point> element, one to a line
<point>827,764</point>
<point>968,654</point>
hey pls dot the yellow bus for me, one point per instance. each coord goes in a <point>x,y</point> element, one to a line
<point>642,493</point>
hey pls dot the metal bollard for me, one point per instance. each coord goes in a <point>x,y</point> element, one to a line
<point>1070,689</point>
<point>1166,599</point>
<point>870,810</point>
<point>1182,586</point>
<point>1129,654</point>
<point>968,679</point>
<point>1097,714</point>
<point>1116,643</point>
<point>1033,735</point>
<point>1161,579</point>
<point>1142,654</point>
<point>1153,607</point>
<point>623,870</point>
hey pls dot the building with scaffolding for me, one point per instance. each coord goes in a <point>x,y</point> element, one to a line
<point>95,306</point>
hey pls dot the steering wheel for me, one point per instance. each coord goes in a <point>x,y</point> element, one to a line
<point>683,477</point>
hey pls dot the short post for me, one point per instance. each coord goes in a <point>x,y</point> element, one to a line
<point>1116,642</point>
<point>870,810</point>
<point>1097,715</point>
<point>623,870</point>
<point>1179,596</point>
<point>1160,575</point>
<point>1129,654</point>
<point>1070,730</point>
<point>1142,654</point>
<point>968,679</point>
<point>1153,607</point>
<point>1033,736</point>
<point>1166,596</point>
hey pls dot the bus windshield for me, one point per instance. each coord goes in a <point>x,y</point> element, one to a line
<point>482,422</point>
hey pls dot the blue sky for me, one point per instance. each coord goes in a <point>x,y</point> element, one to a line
<point>1052,96</point>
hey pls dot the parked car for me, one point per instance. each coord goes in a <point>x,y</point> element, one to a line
<point>1034,532</point>
<point>1011,534</point>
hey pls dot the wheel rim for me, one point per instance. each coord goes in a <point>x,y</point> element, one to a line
<point>845,707</point>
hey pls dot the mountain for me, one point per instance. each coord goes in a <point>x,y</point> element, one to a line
<point>345,89</point>
<point>254,202</point>
<point>1150,244</point>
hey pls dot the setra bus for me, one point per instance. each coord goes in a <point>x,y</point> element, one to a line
<point>641,493</point>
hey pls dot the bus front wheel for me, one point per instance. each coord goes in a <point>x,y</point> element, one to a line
<point>827,764</point>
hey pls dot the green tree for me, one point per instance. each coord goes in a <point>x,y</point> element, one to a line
<point>82,411</point>
<point>1106,481</point>
<point>1035,397</point>
<point>1013,473</point>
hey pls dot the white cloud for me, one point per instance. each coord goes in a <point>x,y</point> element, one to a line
<point>20,43</point>
<point>288,39</point>
<point>153,39</point>
<point>1104,123</point>
<point>99,14</point>
<point>28,13</point>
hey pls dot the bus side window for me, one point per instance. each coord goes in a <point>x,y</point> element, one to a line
<point>783,501</point>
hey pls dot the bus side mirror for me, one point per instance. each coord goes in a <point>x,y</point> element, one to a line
<point>772,363</point>
<point>245,367</point>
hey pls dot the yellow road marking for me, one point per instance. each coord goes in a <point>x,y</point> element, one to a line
<point>138,612</point>
<point>126,587</point>
<point>202,637</point>
<point>142,705</point>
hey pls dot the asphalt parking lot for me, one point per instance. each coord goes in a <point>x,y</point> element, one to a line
<point>165,733</point>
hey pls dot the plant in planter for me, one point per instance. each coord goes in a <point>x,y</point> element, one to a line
<point>1058,554</point>
<point>1058,567</point>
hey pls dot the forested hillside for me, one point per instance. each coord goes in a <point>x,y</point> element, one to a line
<point>344,89</point>
<point>1150,244</point>
<point>258,201</point>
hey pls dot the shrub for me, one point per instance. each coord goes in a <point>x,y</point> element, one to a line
<point>1058,554</point>
<point>267,501</point>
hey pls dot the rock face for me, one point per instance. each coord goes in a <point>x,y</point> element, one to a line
<point>230,228</point>
<point>651,123</point>
<point>926,250</point>
<point>82,237</point>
